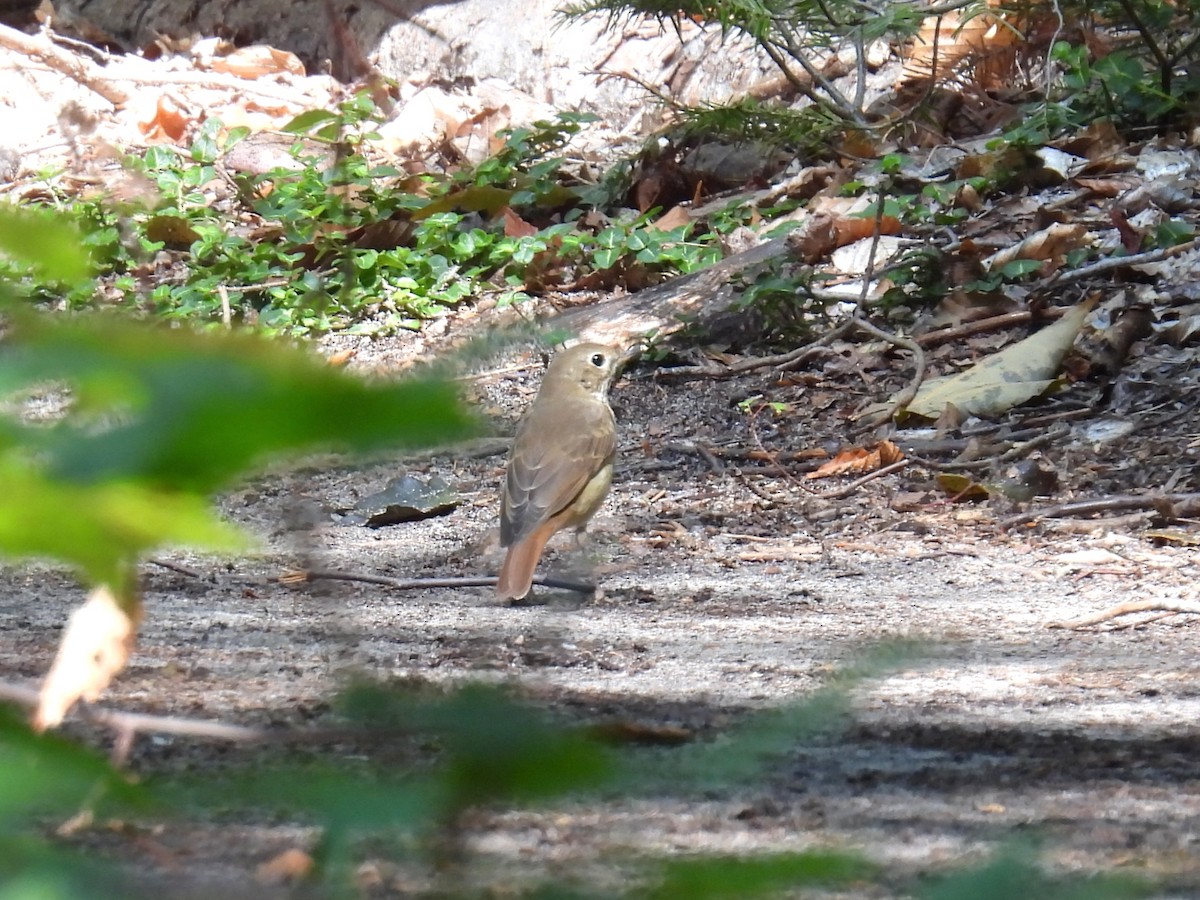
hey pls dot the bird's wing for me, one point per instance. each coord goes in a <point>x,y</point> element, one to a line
<point>552,461</point>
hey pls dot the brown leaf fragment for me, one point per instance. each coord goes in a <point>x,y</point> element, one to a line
<point>676,217</point>
<point>515,226</point>
<point>167,123</point>
<point>859,461</point>
<point>292,864</point>
<point>258,60</point>
<point>95,646</point>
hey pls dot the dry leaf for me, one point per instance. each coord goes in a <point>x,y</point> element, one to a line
<point>251,62</point>
<point>95,646</point>
<point>1049,245</point>
<point>677,217</point>
<point>961,487</point>
<point>167,123</point>
<point>1005,379</point>
<point>860,460</point>
<point>290,865</point>
<point>515,226</point>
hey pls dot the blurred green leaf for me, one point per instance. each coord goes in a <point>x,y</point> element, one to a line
<point>493,747</point>
<point>45,773</point>
<point>1014,874</point>
<point>101,528</point>
<point>191,411</point>
<point>713,878</point>
<point>45,241</point>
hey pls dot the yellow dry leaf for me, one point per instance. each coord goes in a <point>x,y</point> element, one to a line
<point>95,646</point>
<point>1008,378</point>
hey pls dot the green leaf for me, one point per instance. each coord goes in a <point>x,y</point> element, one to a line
<point>45,241</point>
<point>714,878</point>
<point>309,121</point>
<point>99,528</point>
<point>191,411</point>
<point>45,773</point>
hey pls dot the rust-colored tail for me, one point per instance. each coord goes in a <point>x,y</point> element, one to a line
<point>516,575</point>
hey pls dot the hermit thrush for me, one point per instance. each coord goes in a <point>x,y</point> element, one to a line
<point>561,463</point>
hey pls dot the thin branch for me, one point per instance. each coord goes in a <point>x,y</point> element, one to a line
<point>126,722</point>
<point>416,584</point>
<point>751,363</point>
<point>1173,607</point>
<point>848,489</point>
<point>905,397</point>
<point>1118,262</point>
<point>1106,505</point>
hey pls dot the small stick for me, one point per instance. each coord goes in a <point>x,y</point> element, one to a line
<point>848,489</point>
<point>1109,504</point>
<point>1172,607</point>
<point>416,584</point>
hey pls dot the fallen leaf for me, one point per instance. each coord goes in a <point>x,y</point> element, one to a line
<point>168,122</point>
<point>1005,379</point>
<point>961,487</point>
<point>292,864</point>
<point>1050,245</point>
<point>677,217</point>
<point>257,60</point>
<point>515,226</point>
<point>95,646</point>
<point>859,460</point>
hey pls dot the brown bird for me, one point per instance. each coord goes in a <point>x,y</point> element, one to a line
<point>561,463</point>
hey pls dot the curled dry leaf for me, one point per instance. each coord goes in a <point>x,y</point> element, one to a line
<point>860,460</point>
<point>167,123</point>
<point>95,646</point>
<point>1050,245</point>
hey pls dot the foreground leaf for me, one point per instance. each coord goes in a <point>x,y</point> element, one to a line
<point>714,878</point>
<point>95,646</point>
<point>191,411</point>
<point>100,528</point>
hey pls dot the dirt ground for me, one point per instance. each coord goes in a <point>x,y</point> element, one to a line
<point>723,589</point>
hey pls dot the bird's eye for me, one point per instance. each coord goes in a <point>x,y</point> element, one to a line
<point>598,360</point>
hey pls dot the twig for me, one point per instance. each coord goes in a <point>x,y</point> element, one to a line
<point>1108,504</point>
<point>906,396</point>
<point>751,486</point>
<point>141,722</point>
<point>174,567</point>
<point>982,326</point>
<point>84,72</point>
<point>848,489</point>
<point>782,361</point>
<point>1173,607</point>
<point>415,584</point>
<point>1118,262</point>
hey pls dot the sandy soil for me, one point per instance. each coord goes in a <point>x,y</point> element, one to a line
<point>722,590</point>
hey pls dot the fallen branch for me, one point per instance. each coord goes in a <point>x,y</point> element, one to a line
<point>86,73</point>
<point>1123,503</point>
<point>1171,607</point>
<point>848,489</point>
<point>1118,262</point>
<point>304,576</point>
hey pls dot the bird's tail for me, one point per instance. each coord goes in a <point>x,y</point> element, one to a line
<point>516,575</point>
